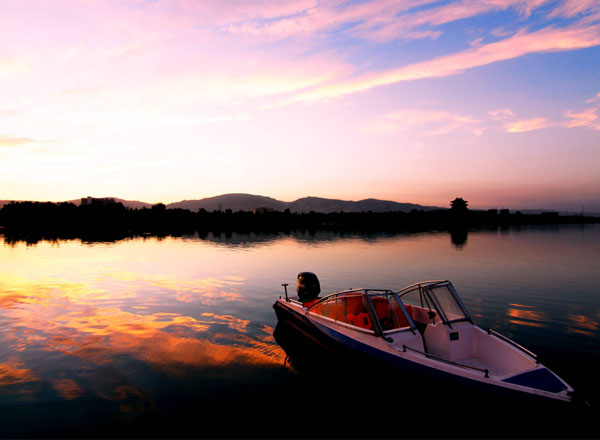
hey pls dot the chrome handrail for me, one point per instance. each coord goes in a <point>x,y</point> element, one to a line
<point>431,356</point>
<point>420,284</point>
<point>333,294</point>
<point>513,343</point>
<point>343,292</point>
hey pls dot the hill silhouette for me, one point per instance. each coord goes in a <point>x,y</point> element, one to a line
<point>248,202</point>
<point>234,201</point>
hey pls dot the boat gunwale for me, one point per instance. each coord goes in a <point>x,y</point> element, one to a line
<point>436,364</point>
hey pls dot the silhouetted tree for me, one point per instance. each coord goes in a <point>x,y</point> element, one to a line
<point>459,204</point>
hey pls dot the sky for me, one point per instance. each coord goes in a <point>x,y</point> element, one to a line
<point>421,101</point>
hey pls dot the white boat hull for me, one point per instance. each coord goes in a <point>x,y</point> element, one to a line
<point>473,361</point>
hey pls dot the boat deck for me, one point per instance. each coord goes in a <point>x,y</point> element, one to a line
<point>476,363</point>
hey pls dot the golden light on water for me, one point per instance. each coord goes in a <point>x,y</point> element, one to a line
<point>525,315</point>
<point>583,324</point>
<point>93,314</point>
<point>12,372</point>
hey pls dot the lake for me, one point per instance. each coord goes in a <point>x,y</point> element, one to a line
<point>173,336</point>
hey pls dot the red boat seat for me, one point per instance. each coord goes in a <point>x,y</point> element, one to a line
<point>383,310</point>
<point>310,303</point>
<point>354,304</point>
<point>360,320</point>
<point>356,313</point>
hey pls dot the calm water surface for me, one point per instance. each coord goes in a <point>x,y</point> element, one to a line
<point>174,336</point>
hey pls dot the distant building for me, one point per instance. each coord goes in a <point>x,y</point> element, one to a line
<point>262,210</point>
<point>493,211</point>
<point>93,201</point>
<point>504,212</point>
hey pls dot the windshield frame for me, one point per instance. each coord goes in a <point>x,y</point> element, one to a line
<point>426,290</point>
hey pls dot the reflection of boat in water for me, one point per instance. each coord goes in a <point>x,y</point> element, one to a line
<point>423,328</point>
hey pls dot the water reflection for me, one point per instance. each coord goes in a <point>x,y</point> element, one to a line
<point>459,237</point>
<point>582,323</point>
<point>526,315</point>
<point>112,337</point>
<point>143,327</point>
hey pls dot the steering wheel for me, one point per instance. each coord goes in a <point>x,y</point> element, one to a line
<point>387,323</point>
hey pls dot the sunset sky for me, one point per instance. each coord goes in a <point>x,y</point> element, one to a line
<point>496,101</point>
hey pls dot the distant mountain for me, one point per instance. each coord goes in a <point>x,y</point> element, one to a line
<point>235,202</point>
<point>318,204</point>
<point>247,202</point>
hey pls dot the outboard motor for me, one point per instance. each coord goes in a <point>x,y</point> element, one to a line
<point>308,287</point>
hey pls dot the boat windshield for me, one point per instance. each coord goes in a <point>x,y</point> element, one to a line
<point>435,298</point>
<point>447,301</point>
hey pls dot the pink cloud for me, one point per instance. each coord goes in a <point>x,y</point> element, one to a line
<point>373,20</point>
<point>524,125</point>
<point>430,122</point>
<point>586,118</point>
<point>502,114</point>
<point>572,8</point>
<point>370,15</point>
<point>594,99</point>
<point>589,118</point>
<point>523,43</point>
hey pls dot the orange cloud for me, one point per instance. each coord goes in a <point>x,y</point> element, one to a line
<point>11,141</point>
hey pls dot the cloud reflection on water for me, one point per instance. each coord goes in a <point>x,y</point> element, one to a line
<point>525,315</point>
<point>11,373</point>
<point>583,324</point>
<point>138,323</point>
<point>64,340</point>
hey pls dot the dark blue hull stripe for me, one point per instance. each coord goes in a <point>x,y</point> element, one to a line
<point>541,379</point>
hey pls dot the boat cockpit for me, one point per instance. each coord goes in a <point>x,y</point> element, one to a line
<point>375,311</point>
<point>432,311</point>
<point>386,312</point>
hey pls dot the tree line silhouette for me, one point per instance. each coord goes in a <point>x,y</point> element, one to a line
<point>113,219</point>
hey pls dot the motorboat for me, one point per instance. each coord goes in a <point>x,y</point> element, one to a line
<point>423,328</point>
